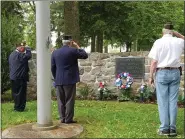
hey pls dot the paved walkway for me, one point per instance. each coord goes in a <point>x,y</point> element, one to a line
<point>26,131</point>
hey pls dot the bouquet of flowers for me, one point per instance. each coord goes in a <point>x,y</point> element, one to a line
<point>104,92</point>
<point>146,93</point>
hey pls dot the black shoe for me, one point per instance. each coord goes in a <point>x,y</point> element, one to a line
<point>71,122</point>
<point>63,121</point>
<point>18,110</point>
<point>163,132</point>
<point>173,133</point>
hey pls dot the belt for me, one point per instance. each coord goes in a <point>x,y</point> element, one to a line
<point>168,68</point>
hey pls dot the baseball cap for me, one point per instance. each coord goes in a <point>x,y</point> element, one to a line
<point>67,37</point>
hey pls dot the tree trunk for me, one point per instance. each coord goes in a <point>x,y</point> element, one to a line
<point>93,43</point>
<point>135,44</point>
<point>99,44</point>
<point>71,20</point>
<point>106,49</point>
<point>101,41</point>
<point>128,46</point>
<point>59,40</point>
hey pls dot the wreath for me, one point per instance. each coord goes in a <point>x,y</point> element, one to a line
<point>120,79</point>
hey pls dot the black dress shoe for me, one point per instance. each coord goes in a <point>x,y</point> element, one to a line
<point>15,110</point>
<point>71,122</point>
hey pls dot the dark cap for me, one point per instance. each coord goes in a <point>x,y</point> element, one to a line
<point>67,37</point>
<point>168,25</point>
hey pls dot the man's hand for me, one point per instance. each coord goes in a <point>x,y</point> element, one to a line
<point>151,81</point>
<point>76,45</point>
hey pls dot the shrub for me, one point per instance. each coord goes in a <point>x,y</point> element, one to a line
<point>146,93</point>
<point>125,94</point>
<point>85,91</point>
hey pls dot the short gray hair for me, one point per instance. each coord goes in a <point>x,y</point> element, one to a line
<point>65,42</point>
<point>167,31</point>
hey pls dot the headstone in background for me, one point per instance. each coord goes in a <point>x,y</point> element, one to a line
<point>134,65</point>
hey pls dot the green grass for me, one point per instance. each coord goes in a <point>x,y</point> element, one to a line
<point>102,119</point>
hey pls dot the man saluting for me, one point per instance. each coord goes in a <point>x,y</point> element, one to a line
<point>18,65</point>
<point>64,67</point>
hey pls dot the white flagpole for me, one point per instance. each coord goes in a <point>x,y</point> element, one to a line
<point>44,114</point>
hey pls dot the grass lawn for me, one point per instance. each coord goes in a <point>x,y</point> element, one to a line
<point>101,119</point>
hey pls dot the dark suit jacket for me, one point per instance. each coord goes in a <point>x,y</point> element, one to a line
<point>18,65</point>
<point>64,65</point>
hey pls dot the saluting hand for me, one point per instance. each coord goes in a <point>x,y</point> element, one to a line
<point>76,45</point>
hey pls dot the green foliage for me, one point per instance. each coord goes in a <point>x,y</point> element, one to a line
<point>57,20</point>
<point>140,22</point>
<point>181,99</point>
<point>101,119</point>
<point>7,96</point>
<point>85,91</point>
<point>10,8</point>
<point>147,94</point>
<point>29,23</point>
<point>152,16</point>
<point>104,94</point>
<point>11,34</point>
<point>125,94</point>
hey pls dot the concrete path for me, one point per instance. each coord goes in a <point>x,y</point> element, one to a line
<point>26,131</point>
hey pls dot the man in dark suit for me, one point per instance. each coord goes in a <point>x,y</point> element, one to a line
<point>64,67</point>
<point>18,65</point>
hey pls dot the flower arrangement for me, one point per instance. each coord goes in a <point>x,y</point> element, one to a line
<point>125,89</point>
<point>119,82</point>
<point>104,92</point>
<point>146,93</point>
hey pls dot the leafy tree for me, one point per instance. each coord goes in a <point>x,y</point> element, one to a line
<point>71,20</point>
<point>11,8</point>
<point>137,23</point>
<point>146,20</point>
<point>29,23</point>
<point>57,20</point>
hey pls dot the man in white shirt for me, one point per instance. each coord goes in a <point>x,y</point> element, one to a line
<point>165,54</point>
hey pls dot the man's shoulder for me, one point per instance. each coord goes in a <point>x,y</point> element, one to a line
<point>14,52</point>
<point>158,41</point>
<point>179,39</point>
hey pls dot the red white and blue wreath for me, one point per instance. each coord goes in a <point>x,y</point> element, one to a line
<point>120,79</point>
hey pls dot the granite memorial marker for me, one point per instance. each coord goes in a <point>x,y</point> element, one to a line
<point>133,65</point>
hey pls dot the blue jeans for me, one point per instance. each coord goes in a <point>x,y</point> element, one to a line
<point>167,88</point>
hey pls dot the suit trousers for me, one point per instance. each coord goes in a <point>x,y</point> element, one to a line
<point>66,100</point>
<point>19,89</point>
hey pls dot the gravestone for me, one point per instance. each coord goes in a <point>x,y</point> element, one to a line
<point>134,65</point>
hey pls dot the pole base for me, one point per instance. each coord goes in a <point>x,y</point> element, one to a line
<point>45,127</point>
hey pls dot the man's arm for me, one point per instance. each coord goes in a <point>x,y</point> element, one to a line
<point>178,35</point>
<point>81,54</point>
<point>153,67</point>
<point>27,55</point>
<point>53,66</point>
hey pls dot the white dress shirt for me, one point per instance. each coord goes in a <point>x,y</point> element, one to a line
<point>167,51</point>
